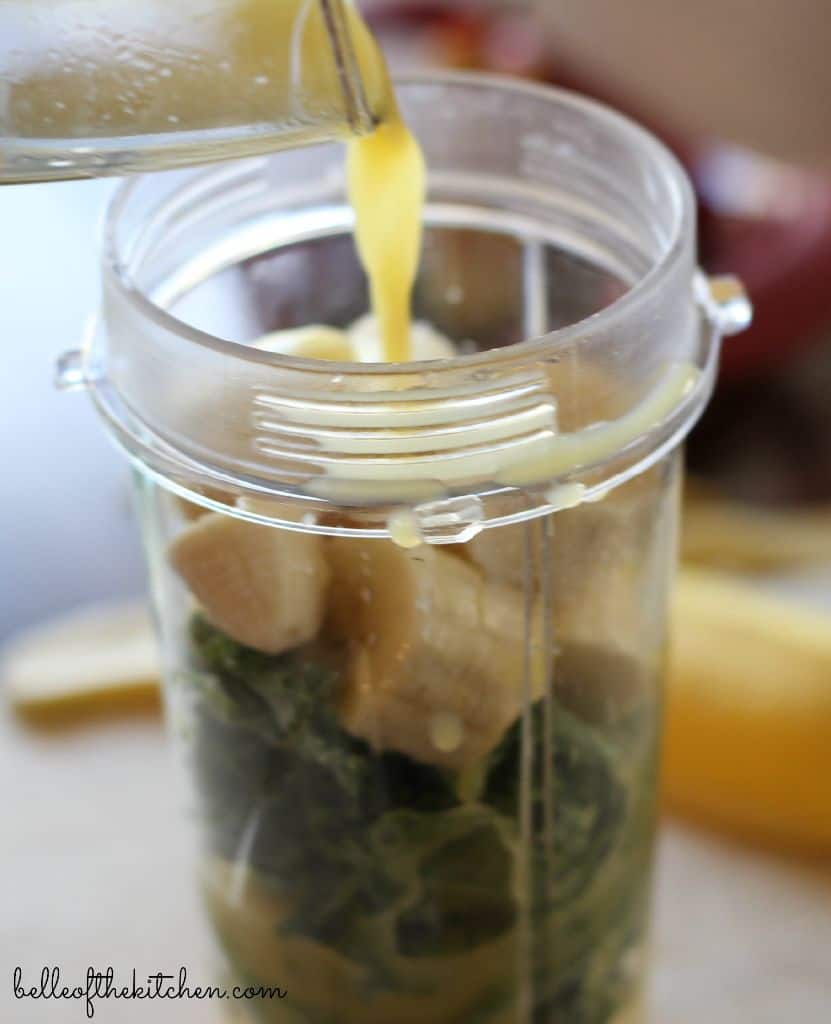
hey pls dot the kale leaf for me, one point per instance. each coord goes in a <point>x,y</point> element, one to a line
<point>460,908</point>
<point>284,787</point>
<point>375,856</point>
<point>584,809</point>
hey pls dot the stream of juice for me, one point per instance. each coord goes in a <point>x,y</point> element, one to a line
<point>387,186</point>
<point>385,169</point>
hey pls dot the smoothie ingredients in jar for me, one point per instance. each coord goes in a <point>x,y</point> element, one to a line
<point>362,803</point>
<point>426,783</point>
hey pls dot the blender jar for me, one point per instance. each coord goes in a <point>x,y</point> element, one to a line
<point>413,617</point>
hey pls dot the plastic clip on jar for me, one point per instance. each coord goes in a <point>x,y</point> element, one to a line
<point>425,775</point>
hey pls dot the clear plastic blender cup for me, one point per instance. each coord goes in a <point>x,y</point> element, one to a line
<point>96,87</point>
<point>414,617</point>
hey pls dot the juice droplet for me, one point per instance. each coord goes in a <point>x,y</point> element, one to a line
<point>598,496</point>
<point>563,496</point>
<point>446,732</point>
<point>404,530</point>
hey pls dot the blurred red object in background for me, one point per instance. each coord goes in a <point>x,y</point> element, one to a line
<point>767,223</point>
<point>771,225</point>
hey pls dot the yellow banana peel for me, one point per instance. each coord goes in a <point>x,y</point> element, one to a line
<point>748,728</point>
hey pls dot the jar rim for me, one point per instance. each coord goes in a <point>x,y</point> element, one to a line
<point>547,344</point>
<point>420,434</point>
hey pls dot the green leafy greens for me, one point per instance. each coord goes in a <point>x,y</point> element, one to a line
<point>378,858</point>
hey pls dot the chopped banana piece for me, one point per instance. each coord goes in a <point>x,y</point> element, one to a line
<point>314,342</point>
<point>276,509</point>
<point>230,416</point>
<point>361,343</point>
<point>83,661</point>
<point>509,555</point>
<point>425,342</point>
<point>237,419</point>
<point>748,741</point>
<point>592,586</point>
<point>597,563</point>
<point>254,923</point>
<point>264,587</point>
<point>191,510</point>
<point>437,655</point>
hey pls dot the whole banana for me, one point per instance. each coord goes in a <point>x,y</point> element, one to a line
<point>748,742</point>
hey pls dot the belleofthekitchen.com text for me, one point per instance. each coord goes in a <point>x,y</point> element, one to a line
<point>104,985</point>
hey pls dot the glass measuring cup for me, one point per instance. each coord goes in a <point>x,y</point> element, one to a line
<point>413,617</point>
<point>90,89</point>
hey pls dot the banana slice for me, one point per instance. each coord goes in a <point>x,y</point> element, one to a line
<point>437,656</point>
<point>604,562</point>
<point>253,922</point>
<point>507,555</point>
<point>315,342</point>
<point>361,343</point>
<point>88,660</point>
<point>190,510</point>
<point>425,342</point>
<point>592,584</point>
<point>264,587</point>
<point>224,419</point>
